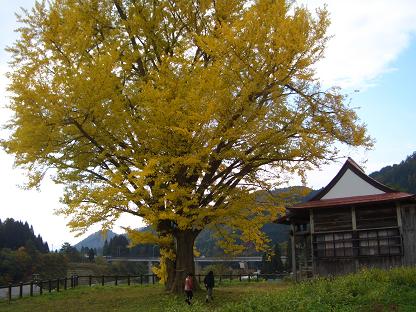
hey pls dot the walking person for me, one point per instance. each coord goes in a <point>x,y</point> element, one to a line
<point>189,286</point>
<point>209,285</point>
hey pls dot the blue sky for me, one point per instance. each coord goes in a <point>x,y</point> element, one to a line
<point>389,109</point>
<point>388,106</point>
<point>373,51</point>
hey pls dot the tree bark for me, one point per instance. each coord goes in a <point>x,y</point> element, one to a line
<point>171,269</point>
<point>184,259</point>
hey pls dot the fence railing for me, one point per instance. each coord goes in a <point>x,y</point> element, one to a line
<point>40,287</point>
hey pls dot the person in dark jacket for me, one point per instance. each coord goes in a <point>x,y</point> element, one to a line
<point>209,285</point>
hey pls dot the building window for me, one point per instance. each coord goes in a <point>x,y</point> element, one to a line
<point>379,242</point>
<point>333,245</point>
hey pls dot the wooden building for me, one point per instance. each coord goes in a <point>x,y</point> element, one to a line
<point>354,222</point>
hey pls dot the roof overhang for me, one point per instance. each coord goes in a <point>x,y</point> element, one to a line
<point>355,201</point>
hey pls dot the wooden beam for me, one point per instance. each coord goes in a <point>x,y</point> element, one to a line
<point>354,229</point>
<point>292,240</point>
<point>353,219</point>
<point>312,231</point>
<point>400,225</point>
<point>311,221</point>
<point>399,216</point>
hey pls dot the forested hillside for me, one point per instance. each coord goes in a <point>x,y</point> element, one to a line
<point>401,176</point>
<point>23,254</point>
<point>15,234</point>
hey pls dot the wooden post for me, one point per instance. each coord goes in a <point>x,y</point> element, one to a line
<point>116,281</point>
<point>65,283</point>
<point>400,225</point>
<point>353,219</point>
<point>354,233</point>
<point>10,292</point>
<point>49,285</point>
<point>312,231</point>
<point>40,287</point>
<point>20,290</point>
<point>102,280</point>
<point>90,280</point>
<point>399,215</point>
<point>31,288</point>
<point>292,240</point>
<point>58,281</point>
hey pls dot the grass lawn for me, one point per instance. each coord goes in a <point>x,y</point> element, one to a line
<point>367,291</point>
<point>138,298</point>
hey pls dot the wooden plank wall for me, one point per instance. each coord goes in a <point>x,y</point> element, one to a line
<point>335,267</point>
<point>344,219</point>
<point>335,219</point>
<point>380,262</point>
<point>379,216</point>
<point>408,219</point>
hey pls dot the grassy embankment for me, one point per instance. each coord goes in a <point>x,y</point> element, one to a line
<point>372,290</point>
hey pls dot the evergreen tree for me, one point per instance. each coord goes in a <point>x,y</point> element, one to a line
<point>16,234</point>
<point>91,255</point>
<point>272,263</point>
<point>266,264</point>
<point>277,263</point>
<point>118,246</point>
<point>105,249</point>
<point>70,252</point>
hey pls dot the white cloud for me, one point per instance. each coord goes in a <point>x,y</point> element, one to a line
<point>368,36</point>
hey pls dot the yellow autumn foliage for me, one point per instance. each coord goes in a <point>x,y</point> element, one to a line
<point>177,112</point>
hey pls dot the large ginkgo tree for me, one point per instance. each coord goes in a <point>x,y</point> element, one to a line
<point>174,111</point>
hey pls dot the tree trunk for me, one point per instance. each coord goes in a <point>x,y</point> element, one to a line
<point>184,259</point>
<point>170,269</point>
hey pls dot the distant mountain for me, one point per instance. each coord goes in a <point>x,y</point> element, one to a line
<point>401,177</point>
<point>95,240</point>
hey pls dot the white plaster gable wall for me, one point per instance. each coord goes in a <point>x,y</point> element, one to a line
<point>351,185</point>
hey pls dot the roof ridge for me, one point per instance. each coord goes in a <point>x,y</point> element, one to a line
<point>352,162</point>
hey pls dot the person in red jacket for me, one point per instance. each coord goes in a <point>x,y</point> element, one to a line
<point>189,286</point>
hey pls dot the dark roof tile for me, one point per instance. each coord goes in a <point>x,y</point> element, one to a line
<point>354,200</point>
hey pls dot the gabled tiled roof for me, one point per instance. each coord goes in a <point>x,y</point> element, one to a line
<point>386,193</point>
<point>354,200</point>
